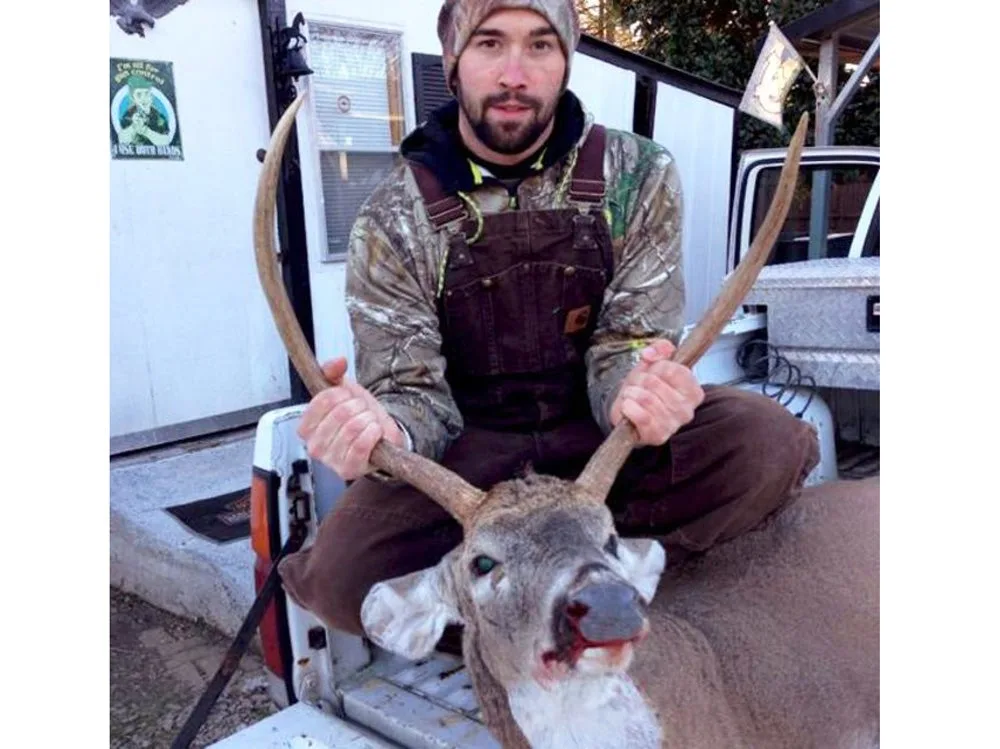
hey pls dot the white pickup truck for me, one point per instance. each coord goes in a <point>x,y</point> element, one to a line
<point>808,336</point>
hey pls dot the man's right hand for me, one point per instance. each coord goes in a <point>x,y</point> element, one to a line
<point>343,423</point>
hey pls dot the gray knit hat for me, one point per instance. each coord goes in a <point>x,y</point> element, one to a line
<point>459,18</point>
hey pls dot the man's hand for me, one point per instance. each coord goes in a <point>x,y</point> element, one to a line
<point>658,396</point>
<point>342,424</point>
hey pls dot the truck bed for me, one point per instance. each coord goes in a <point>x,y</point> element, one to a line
<point>425,704</point>
<point>420,704</point>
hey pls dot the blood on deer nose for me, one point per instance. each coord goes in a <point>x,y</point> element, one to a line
<point>605,612</point>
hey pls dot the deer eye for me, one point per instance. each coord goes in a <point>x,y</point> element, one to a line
<point>483,565</point>
<point>612,545</point>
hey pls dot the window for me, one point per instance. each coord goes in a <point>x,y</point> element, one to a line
<point>357,89</point>
<point>847,192</point>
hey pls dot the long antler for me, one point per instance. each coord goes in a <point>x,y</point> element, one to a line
<point>448,489</point>
<point>602,468</point>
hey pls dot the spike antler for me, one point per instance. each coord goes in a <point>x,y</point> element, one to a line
<point>602,468</point>
<point>443,486</point>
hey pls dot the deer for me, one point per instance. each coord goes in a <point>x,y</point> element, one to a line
<point>769,640</point>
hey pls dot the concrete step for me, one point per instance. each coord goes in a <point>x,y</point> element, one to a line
<point>155,556</point>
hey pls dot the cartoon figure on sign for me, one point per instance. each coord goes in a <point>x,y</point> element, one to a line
<point>775,81</point>
<point>142,115</point>
<point>776,69</point>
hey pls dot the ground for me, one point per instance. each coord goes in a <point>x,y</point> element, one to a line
<point>160,666</point>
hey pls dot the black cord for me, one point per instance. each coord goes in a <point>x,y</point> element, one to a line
<point>225,671</point>
<point>773,371</point>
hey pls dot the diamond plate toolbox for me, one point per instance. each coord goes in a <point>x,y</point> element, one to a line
<point>823,316</point>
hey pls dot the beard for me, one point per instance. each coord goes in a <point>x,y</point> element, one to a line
<point>508,138</point>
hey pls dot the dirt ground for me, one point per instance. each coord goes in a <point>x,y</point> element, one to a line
<point>160,666</point>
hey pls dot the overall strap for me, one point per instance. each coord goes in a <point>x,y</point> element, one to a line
<point>587,184</point>
<point>588,187</point>
<point>442,209</point>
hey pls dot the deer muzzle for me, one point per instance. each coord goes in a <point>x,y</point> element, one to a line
<point>601,614</point>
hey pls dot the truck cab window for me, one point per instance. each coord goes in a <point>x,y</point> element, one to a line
<point>845,189</point>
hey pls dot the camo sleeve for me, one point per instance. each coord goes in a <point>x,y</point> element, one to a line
<point>397,349</point>
<point>645,298</point>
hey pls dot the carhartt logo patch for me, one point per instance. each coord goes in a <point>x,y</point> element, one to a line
<point>577,319</point>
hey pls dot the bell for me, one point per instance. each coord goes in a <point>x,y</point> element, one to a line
<point>293,64</point>
<point>290,41</point>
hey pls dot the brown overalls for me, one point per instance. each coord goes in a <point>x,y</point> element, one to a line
<point>517,310</point>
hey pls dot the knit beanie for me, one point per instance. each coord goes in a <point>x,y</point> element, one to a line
<point>459,18</point>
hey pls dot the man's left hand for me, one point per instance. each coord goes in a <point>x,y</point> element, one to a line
<point>658,396</point>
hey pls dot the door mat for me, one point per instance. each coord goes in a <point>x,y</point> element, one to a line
<point>223,518</point>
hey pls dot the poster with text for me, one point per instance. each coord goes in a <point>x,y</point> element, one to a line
<point>144,122</point>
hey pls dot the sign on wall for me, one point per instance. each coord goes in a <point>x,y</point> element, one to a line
<point>144,122</point>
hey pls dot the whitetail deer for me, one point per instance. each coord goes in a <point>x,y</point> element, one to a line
<point>769,640</point>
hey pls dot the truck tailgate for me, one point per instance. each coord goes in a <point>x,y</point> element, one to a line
<point>302,726</point>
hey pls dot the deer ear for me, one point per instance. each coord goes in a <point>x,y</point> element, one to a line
<point>643,560</point>
<point>407,615</point>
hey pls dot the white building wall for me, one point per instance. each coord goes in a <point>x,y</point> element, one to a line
<point>608,92</point>
<point>191,334</point>
<point>699,134</point>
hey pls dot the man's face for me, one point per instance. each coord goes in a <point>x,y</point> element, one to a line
<point>509,79</point>
<point>143,98</point>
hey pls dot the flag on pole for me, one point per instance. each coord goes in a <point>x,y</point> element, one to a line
<point>778,65</point>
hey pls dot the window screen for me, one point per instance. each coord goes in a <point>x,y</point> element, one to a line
<point>349,177</point>
<point>357,94</point>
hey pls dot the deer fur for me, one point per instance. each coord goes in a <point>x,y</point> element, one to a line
<point>769,640</point>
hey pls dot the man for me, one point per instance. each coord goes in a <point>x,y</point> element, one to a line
<point>142,123</point>
<point>515,290</point>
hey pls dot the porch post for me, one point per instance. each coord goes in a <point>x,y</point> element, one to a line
<point>290,212</point>
<point>819,215</point>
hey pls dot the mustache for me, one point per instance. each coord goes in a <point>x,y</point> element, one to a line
<point>510,97</point>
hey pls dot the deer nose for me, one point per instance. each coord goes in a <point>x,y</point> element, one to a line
<point>605,612</point>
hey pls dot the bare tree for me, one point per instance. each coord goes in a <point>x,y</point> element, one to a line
<point>603,19</point>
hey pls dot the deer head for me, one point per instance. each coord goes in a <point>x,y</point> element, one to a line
<point>541,579</point>
<point>542,583</point>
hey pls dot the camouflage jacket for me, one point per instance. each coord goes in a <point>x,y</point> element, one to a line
<point>394,272</point>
